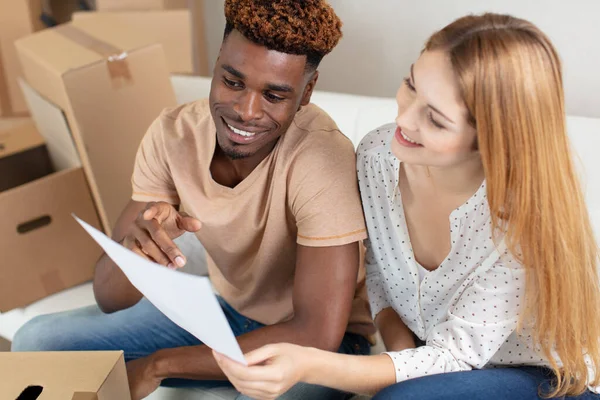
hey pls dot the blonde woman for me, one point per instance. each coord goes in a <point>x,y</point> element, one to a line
<point>482,266</point>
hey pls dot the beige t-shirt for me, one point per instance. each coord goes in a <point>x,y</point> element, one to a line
<point>305,191</point>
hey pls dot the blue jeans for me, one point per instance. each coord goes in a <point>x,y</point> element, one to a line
<point>142,330</point>
<point>518,383</point>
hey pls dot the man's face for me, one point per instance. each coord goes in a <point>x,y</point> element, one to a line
<point>255,94</point>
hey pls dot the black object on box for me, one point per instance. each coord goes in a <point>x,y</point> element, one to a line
<point>23,155</point>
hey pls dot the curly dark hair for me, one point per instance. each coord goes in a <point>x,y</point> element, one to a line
<point>303,27</point>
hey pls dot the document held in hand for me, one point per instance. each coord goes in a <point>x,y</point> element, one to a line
<point>187,300</point>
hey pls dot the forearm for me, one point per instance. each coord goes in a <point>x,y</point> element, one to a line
<point>355,374</point>
<point>112,289</point>
<point>394,332</point>
<point>197,362</point>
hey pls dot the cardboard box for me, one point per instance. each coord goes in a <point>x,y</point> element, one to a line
<point>23,154</point>
<point>82,375</point>
<point>43,249</point>
<point>17,19</point>
<point>141,5</point>
<point>196,9</point>
<point>172,29</point>
<point>111,84</point>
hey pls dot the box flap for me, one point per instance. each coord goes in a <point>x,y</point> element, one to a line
<point>60,374</point>
<point>17,135</point>
<point>53,127</point>
<point>172,29</point>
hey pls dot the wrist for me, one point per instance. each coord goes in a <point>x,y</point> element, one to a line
<point>159,365</point>
<point>312,365</point>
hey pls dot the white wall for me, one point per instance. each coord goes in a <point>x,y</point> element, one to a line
<point>383,37</point>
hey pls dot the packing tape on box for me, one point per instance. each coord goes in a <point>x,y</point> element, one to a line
<point>116,58</point>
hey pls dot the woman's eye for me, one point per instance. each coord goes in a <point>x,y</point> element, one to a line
<point>409,85</point>
<point>434,122</point>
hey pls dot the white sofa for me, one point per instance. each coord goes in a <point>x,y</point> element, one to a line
<point>355,116</point>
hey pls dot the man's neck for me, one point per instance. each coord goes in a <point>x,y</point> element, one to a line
<point>230,172</point>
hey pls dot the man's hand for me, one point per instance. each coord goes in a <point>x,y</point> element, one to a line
<point>142,378</point>
<point>153,231</point>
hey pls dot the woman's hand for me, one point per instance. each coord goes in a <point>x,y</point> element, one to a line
<point>272,370</point>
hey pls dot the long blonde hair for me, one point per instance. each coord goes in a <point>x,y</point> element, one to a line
<point>511,81</point>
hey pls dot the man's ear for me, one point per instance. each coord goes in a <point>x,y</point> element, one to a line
<point>308,90</point>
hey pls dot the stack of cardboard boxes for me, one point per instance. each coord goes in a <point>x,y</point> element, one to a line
<point>76,101</point>
<point>90,89</point>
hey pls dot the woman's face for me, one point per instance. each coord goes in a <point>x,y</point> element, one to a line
<point>433,128</point>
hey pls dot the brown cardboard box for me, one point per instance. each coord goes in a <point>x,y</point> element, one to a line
<point>17,19</point>
<point>172,29</point>
<point>141,5</point>
<point>43,249</point>
<point>196,8</point>
<point>82,375</point>
<point>111,85</point>
<point>23,153</point>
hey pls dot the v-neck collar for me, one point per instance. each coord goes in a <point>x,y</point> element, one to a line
<point>247,181</point>
<point>455,217</point>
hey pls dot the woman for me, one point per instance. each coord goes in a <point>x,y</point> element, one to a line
<point>480,244</point>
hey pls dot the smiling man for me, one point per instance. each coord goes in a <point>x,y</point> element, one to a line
<point>268,184</point>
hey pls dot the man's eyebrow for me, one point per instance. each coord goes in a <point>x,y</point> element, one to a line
<point>270,86</point>
<point>280,88</point>
<point>233,71</point>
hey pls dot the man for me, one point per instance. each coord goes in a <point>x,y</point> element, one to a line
<point>267,183</point>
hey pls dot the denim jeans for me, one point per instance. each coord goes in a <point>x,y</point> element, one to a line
<point>142,330</point>
<point>517,383</point>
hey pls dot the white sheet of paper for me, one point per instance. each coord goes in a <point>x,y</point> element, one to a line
<point>187,300</point>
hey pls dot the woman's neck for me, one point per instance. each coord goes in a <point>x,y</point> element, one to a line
<point>460,180</point>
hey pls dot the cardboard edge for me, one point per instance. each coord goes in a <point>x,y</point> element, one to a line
<point>118,368</point>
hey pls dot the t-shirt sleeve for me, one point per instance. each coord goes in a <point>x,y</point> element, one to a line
<point>152,180</point>
<point>323,193</point>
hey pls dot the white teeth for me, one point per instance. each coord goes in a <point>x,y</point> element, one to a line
<point>241,132</point>
<point>407,138</point>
